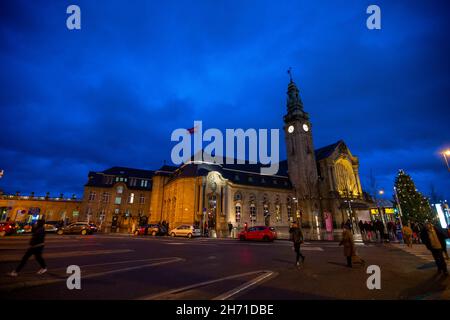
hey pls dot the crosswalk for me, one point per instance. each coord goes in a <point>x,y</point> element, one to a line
<point>418,250</point>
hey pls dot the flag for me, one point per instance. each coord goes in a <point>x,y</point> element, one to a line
<point>192,130</point>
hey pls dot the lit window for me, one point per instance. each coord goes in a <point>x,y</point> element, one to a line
<point>106,197</point>
<point>252,213</point>
<point>289,213</point>
<point>237,209</point>
<point>119,190</point>
<point>131,198</point>
<point>92,196</point>
<point>144,183</point>
<point>118,200</point>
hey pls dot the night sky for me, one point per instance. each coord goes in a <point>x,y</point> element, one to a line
<point>111,94</point>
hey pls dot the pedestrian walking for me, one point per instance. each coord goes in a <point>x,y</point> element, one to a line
<point>349,245</point>
<point>407,235</point>
<point>435,242</point>
<point>36,248</point>
<point>230,228</point>
<point>297,240</point>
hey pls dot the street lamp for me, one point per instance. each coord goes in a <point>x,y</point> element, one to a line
<point>446,154</point>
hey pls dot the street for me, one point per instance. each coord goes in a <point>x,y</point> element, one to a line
<point>130,267</point>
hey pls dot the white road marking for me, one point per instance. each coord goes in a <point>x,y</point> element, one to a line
<point>93,275</point>
<point>50,255</point>
<point>258,280</point>
<point>205,283</point>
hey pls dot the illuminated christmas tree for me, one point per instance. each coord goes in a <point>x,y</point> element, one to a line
<point>415,207</point>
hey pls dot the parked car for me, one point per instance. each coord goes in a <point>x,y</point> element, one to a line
<point>76,228</point>
<point>7,228</point>
<point>23,228</point>
<point>152,229</point>
<point>185,230</point>
<point>93,226</point>
<point>50,228</point>
<point>261,233</point>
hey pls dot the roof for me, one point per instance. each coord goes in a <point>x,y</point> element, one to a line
<point>325,152</point>
<point>129,172</point>
<point>244,174</point>
<point>98,179</point>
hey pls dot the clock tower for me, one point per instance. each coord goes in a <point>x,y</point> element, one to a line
<point>302,167</point>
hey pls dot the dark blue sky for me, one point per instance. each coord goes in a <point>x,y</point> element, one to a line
<point>111,93</point>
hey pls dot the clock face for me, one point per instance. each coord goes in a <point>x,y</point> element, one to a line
<point>305,127</point>
<point>291,129</point>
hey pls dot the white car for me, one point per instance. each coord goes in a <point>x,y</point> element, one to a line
<point>185,230</point>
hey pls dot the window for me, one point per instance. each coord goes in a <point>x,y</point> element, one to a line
<point>289,212</point>
<point>237,196</point>
<point>142,199</point>
<point>278,212</point>
<point>116,211</point>
<point>92,196</point>
<point>105,197</point>
<point>119,189</point>
<point>131,198</point>
<point>252,213</point>
<point>237,211</point>
<point>144,183</point>
<point>133,182</point>
<point>118,200</point>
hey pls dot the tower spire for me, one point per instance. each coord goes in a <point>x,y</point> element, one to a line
<point>290,74</point>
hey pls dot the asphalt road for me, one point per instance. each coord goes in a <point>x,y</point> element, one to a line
<point>129,267</point>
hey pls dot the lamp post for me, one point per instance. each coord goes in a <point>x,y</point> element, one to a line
<point>399,207</point>
<point>446,154</point>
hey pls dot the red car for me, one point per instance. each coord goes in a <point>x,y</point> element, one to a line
<point>7,228</point>
<point>261,233</point>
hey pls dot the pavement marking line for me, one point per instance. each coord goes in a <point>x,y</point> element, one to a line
<point>203,284</point>
<point>258,280</point>
<point>30,284</point>
<point>51,246</point>
<point>51,255</point>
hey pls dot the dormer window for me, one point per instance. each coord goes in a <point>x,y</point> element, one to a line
<point>144,183</point>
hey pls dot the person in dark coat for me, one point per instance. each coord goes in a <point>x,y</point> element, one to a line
<point>349,245</point>
<point>297,239</point>
<point>434,240</point>
<point>36,248</point>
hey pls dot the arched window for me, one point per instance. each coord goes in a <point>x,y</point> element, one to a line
<point>345,178</point>
<point>237,212</point>
<point>266,214</point>
<point>119,189</point>
<point>252,212</point>
<point>237,196</point>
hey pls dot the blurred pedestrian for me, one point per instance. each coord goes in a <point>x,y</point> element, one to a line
<point>297,240</point>
<point>434,240</point>
<point>407,234</point>
<point>349,245</point>
<point>36,248</point>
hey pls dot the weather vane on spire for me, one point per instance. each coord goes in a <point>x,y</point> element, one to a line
<point>290,73</point>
